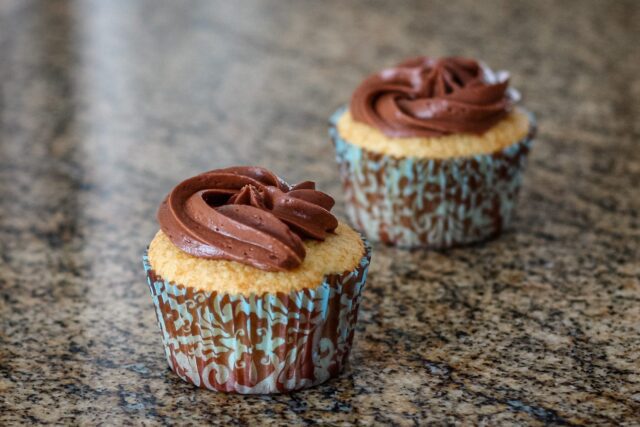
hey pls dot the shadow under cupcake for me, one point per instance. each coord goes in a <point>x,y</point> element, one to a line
<point>431,153</point>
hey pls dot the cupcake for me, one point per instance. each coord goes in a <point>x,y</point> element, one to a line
<point>431,152</point>
<point>256,285</point>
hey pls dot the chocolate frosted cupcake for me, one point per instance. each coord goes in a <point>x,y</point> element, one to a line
<point>255,283</point>
<point>431,152</point>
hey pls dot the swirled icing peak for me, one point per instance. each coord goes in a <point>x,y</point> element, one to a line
<point>246,214</point>
<point>424,97</point>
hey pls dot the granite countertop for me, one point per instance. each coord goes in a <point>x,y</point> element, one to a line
<point>104,105</point>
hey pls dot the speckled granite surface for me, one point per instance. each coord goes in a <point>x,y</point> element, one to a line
<point>104,105</point>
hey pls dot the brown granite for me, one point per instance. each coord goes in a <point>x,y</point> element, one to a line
<point>104,105</point>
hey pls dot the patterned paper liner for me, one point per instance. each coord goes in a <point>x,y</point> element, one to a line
<point>272,343</point>
<point>435,203</point>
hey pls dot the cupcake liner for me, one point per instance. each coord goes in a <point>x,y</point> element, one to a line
<point>270,343</point>
<point>436,203</point>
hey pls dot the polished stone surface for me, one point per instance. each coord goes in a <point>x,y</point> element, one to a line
<point>104,105</point>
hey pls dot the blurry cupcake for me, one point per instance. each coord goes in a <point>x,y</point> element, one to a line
<point>431,152</point>
<point>255,283</point>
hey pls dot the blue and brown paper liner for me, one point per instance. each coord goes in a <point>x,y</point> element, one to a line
<point>436,203</point>
<point>270,343</point>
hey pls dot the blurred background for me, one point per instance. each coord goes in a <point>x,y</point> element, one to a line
<point>125,98</point>
<point>105,105</point>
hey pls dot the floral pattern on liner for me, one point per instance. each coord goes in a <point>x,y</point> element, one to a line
<point>436,203</point>
<point>273,343</point>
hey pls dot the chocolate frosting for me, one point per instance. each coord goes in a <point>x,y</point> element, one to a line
<point>246,214</point>
<point>433,97</point>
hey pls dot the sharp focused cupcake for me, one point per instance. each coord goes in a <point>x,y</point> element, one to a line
<point>255,283</point>
<point>431,152</point>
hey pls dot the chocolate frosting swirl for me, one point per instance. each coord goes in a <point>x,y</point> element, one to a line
<point>433,97</point>
<point>246,214</point>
